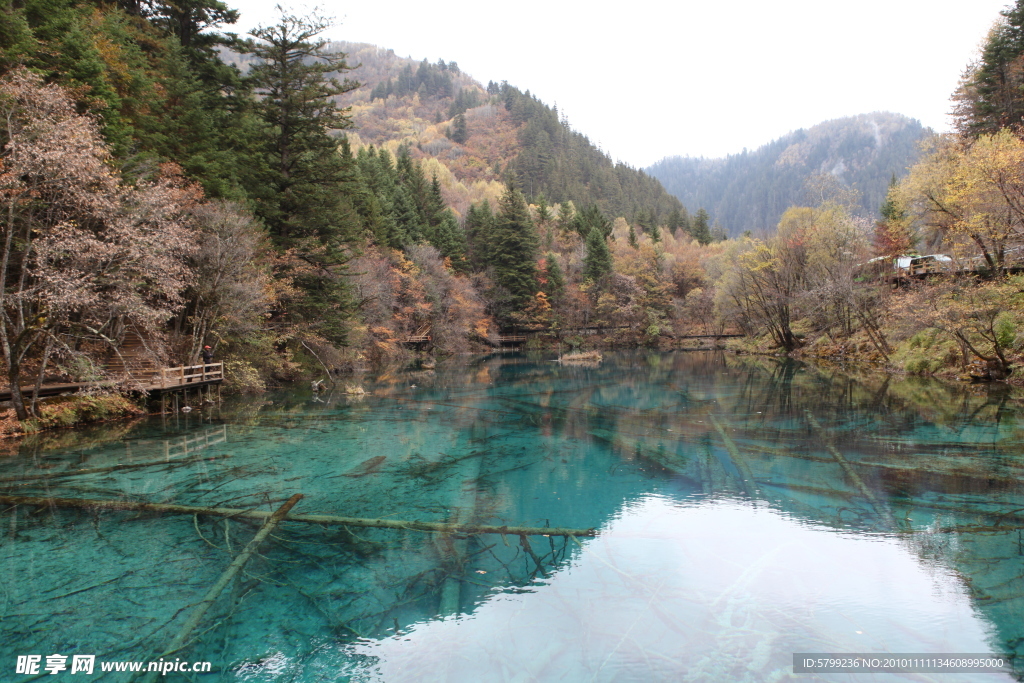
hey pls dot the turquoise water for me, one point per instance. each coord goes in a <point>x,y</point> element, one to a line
<point>746,510</point>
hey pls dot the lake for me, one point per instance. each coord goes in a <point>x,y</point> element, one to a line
<point>745,509</point>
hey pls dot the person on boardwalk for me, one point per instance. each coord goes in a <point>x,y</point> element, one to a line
<point>207,355</point>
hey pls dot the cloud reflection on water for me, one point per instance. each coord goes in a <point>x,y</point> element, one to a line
<point>718,590</point>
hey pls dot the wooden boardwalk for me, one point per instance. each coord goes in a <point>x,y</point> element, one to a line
<point>184,377</point>
<point>709,336</point>
<point>161,381</point>
<point>420,337</point>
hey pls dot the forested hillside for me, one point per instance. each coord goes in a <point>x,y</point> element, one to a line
<point>482,137</point>
<point>488,136</point>
<point>298,209</point>
<point>751,190</point>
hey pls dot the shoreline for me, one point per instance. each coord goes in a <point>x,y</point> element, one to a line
<point>118,407</point>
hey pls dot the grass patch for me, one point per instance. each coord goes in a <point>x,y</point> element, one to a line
<point>926,353</point>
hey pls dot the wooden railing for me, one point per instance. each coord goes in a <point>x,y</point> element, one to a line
<point>189,374</point>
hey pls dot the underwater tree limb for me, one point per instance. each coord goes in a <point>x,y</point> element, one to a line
<point>233,569</point>
<point>748,484</point>
<point>240,513</point>
<point>529,549</point>
<point>879,508</point>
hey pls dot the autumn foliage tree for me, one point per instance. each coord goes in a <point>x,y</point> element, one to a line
<point>232,290</point>
<point>983,319</point>
<point>415,292</point>
<point>969,195</point>
<point>82,254</point>
<point>893,234</point>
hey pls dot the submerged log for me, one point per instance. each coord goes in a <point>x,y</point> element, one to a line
<point>880,509</point>
<point>457,546</point>
<point>240,513</point>
<point>182,639</point>
<point>747,483</point>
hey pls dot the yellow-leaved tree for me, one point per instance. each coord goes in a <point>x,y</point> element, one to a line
<point>969,195</point>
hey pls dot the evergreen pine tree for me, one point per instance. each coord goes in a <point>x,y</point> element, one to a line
<point>654,232</point>
<point>990,95</point>
<point>291,73</point>
<point>479,226</point>
<point>554,286</point>
<point>190,19</point>
<point>458,131</point>
<point>598,261</point>
<point>641,218</point>
<point>701,229</point>
<point>450,241</point>
<point>514,244</point>
<point>675,220</point>
<point>305,206</point>
<point>632,238</point>
<point>591,217</point>
<point>685,223</point>
<point>408,218</point>
<point>411,175</point>
<point>543,210</point>
<point>357,191</point>
<point>566,216</point>
<point>435,208</point>
<point>380,183</point>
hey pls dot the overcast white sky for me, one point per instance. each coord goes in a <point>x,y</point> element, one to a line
<point>646,79</point>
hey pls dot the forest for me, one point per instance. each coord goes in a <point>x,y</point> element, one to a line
<point>306,211</point>
<point>168,183</point>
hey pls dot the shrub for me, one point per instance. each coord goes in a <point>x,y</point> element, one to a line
<point>242,377</point>
<point>68,411</point>
<point>927,352</point>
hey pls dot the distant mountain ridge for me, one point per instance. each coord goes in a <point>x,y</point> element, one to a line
<point>477,137</point>
<point>751,190</point>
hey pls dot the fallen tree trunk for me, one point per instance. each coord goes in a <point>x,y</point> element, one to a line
<point>240,513</point>
<point>182,639</point>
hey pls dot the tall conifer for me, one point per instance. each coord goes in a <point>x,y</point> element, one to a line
<point>701,229</point>
<point>554,285</point>
<point>598,261</point>
<point>291,73</point>
<point>514,255</point>
<point>479,225</point>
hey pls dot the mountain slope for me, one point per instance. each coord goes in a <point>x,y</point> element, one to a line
<point>751,190</point>
<point>477,138</point>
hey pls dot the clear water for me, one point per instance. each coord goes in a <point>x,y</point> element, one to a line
<point>746,509</point>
